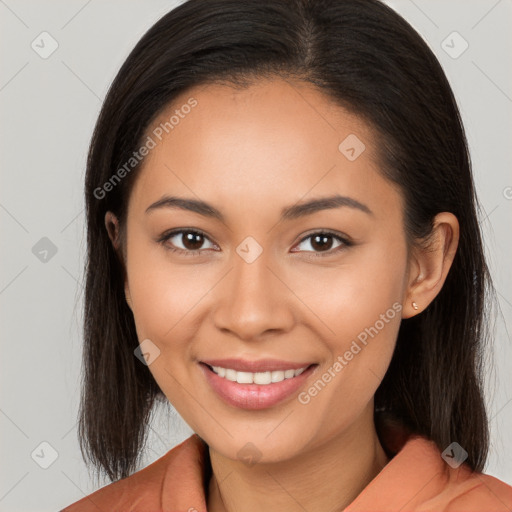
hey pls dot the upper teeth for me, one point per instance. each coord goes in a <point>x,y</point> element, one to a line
<point>258,377</point>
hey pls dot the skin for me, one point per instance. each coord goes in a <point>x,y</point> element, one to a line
<point>250,153</point>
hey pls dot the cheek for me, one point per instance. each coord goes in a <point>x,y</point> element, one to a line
<point>166,300</point>
<point>359,303</point>
<point>351,295</point>
<point>359,355</point>
<point>163,293</point>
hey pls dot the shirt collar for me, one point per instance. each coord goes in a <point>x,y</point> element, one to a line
<point>416,465</point>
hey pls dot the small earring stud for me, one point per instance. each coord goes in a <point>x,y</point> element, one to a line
<point>414,305</point>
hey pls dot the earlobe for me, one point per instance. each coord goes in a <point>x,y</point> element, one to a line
<point>432,264</point>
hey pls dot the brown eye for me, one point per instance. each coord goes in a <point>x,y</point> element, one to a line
<point>186,241</point>
<point>323,242</point>
<point>192,240</point>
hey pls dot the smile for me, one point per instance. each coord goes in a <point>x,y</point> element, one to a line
<point>255,390</point>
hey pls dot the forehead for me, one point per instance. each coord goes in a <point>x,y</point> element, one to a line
<point>270,138</point>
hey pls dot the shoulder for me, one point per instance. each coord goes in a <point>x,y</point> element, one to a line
<point>460,489</point>
<point>470,491</point>
<point>418,478</point>
<point>175,477</point>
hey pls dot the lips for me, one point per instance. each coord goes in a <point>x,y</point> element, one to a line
<point>261,365</point>
<point>256,396</point>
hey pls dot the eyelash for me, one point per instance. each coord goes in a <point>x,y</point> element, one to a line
<point>166,236</point>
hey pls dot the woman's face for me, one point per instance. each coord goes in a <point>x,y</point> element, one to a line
<point>260,284</point>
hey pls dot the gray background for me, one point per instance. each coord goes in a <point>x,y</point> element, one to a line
<point>48,109</point>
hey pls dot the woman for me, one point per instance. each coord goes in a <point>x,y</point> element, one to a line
<point>283,243</point>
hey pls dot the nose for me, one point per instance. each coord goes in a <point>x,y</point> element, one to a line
<point>254,300</point>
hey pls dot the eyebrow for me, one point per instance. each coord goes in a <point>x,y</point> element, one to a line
<point>288,213</point>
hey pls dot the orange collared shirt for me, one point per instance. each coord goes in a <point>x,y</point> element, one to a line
<point>415,479</point>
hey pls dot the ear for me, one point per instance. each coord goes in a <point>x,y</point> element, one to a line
<point>127,294</point>
<point>112,226</point>
<point>429,265</point>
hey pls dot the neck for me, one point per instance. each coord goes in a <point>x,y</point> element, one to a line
<point>328,477</point>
